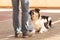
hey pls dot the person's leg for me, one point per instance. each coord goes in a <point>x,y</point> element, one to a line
<point>25,14</point>
<point>16,25</point>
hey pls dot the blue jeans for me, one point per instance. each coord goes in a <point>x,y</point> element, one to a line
<point>25,9</point>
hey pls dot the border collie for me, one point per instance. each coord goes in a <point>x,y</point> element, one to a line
<point>37,22</point>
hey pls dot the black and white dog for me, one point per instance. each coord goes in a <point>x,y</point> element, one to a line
<point>38,22</point>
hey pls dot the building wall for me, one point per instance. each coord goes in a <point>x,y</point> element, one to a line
<point>35,3</point>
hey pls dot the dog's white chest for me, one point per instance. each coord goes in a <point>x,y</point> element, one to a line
<point>36,24</point>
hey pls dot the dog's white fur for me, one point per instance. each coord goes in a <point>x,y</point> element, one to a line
<point>39,24</point>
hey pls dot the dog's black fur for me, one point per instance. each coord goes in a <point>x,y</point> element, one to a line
<point>48,22</point>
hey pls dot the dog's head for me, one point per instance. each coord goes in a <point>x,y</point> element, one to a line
<point>35,14</point>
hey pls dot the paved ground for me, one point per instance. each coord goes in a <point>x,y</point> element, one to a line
<point>7,33</point>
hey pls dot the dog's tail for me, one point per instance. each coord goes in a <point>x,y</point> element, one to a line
<point>50,21</point>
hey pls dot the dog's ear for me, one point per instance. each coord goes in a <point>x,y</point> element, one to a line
<point>37,10</point>
<point>31,12</point>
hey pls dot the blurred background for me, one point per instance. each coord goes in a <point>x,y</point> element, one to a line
<point>34,3</point>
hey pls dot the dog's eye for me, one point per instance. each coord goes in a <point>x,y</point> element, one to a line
<point>31,12</point>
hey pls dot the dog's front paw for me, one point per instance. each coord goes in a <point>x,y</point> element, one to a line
<point>41,32</point>
<point>33,31</point>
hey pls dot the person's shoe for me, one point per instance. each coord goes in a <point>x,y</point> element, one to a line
<point>28,34</point>
<point>18,35</point>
